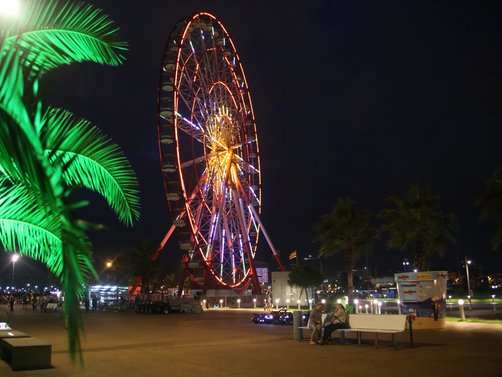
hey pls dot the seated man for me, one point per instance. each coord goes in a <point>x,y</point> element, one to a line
<point>334,322</point>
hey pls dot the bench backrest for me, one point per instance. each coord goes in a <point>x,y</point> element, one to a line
<point>395,322</point>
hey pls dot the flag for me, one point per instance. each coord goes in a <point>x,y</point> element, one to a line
<point>292,255</point>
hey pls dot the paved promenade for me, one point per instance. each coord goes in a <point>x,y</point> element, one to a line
<point>227,343</point>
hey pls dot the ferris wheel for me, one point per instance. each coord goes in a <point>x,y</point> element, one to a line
<point>210,156</point>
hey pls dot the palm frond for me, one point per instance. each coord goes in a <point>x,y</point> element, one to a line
<point>52,33</point>
<point>29,227</point>
<point>91,160</point>
<point>77,262</point>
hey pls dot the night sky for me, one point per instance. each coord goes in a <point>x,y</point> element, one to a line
<point>352,98</point>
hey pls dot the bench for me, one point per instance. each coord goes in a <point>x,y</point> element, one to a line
<point>26,353</point>
<point>359,323</point>
<point>387,324</point>
<point>52,306</point>
<point>9,334</point>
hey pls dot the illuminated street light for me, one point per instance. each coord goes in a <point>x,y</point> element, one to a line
<point>14,259</point>
<point>461,307</point>
<point>221,303</point>
<point>287,303</point>
<point>239,303</point>
<point>254,303</point>
<point>277,303</point>
<point>298,302</point>
<point>469,293</point>
<point>10,8</point>
<point>356,302</point>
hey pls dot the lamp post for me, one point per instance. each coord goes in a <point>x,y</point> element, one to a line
<point>238,303</point>
<point>467,263</point>
<point>14,259</point>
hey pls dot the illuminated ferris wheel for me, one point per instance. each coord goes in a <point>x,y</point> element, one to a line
<point>210,156</point>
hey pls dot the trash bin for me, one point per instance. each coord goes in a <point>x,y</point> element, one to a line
<point>297,322</point>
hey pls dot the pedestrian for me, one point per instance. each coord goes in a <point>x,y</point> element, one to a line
<point>86,303</point>
<point>94,302</point>
<point>11,303</point>
<point>315,323</point>
<point>34,303</point>
<point>338,320</point>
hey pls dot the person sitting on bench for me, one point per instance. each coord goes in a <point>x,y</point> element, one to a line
<point>338,320</point>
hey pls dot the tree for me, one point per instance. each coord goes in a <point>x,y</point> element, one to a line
<point>347,231</point>
<point>140,264</point>
<point>45,153</point>
<point>415,223</point>
<point>305,277</point>
<point>490,202</point>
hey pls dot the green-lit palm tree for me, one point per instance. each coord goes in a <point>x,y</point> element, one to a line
<point>490,202</point>
<point>348,231</point>
<point>416,224</point>
<point>46,153</point>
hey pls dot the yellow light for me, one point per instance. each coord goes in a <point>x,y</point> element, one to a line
<point>10,8</point>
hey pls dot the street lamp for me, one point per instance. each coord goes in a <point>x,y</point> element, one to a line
<point>467,263</point>
<point>14,259</point>
<point>10,7</point>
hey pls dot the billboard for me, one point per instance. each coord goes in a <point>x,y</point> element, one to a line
<point>422,293</point>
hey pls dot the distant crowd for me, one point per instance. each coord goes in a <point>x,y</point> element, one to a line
<point>29,300</point>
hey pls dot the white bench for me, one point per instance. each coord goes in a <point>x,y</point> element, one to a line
<point>387,324</point>
<point>51,307</point>
<point>359,323</point>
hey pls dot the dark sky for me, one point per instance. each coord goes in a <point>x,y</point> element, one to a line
<point>351,98</point>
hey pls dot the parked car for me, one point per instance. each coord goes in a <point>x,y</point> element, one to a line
<point>281,316</point>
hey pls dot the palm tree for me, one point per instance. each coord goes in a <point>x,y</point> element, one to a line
<point>416,224</point>
<point>348,231</point>
<point>490,202</point>
<point>139,263</point>
<point>305,277</point>
<point>46,153</point>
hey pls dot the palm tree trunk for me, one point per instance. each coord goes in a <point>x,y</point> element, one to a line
<point>420,254</point>
<point>348,257</point>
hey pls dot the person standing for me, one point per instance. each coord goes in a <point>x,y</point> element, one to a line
<point>315,323</point>
<point>11,303</point>
<point>338,321</point>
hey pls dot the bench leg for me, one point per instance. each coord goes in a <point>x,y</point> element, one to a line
<point>359,337</point>
<point>376,339</point>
